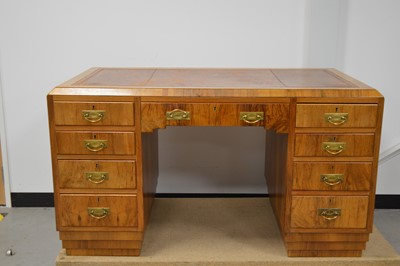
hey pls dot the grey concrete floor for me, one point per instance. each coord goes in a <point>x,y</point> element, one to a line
<point>31,234</point>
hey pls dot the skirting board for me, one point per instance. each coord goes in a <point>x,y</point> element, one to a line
<point>46,199</point>
<point>224,231</point>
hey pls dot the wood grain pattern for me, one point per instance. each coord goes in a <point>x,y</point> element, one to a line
<point>304,212</point>
<point>101,244</point>
<point>117,142</point>
<point>356,144</point>
<point>122,174</point>
<point>74,210</point>
<point>155,115</point>
<point>275,174</point>
<point>324,253</point>
<point>116,113</point>
<point>348,245</point>
<point>359,115</point>
<point>103,252</point>
<point>99,235</point>
<point>307,175</point>
<point>326,237</point>
<point>276,115</point>
<point>150,171</point>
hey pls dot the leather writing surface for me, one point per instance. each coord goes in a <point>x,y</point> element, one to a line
<point>214,78</point>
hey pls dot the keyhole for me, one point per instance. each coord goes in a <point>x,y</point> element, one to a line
<point>94,107</point>
<point>94,136</point>
<point>97,166</point>
<point>337,109</point>
<point>215,108</point>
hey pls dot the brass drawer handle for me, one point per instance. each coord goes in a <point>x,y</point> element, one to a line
<point>336,118</point>
<point>96,177</point>
<point>332,179</point>
<point>98,213</point>
<point>330,213</point>
<point>178,114</point>
<point>251,117</point>
<point>93,116</point>
<point>333,148</point>
<point>95,144</point>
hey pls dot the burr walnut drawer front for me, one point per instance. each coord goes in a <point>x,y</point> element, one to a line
<point>93,210</point>
<point>314,212</point>
<point>80,142</point>
<point>339,145</point>
<point>160,115</point>
<point>94,113</point>
<point>97,174</point>
<point>336,115</point>
<point>332,175</point>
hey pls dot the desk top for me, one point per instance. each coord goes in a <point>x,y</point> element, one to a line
<point>215,82</point>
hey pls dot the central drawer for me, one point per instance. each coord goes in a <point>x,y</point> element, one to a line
<point>79,142</point>
<point>161,115</point>
<point>202,114</point>
<point>97,174</point>
<point>93,210</point>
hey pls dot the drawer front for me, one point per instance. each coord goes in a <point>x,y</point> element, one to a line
<point>92,210</point>
<point>336,115</point>
<point>332,176</point>
<point>97,174</point>
<point>311,212</point>
<point>119,143</point>
<point>338,145</point>
<point>160,115</point>
<point>94,113</point>
<point>272,115</point>
<point>155,115</point>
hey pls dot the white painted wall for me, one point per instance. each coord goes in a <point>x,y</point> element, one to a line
<point>44,42</point>
<point>372,54</point>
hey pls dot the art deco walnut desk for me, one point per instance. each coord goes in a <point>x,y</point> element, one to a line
<point>322,144</point>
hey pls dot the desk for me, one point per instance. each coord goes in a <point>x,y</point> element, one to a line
<point>322,146</point>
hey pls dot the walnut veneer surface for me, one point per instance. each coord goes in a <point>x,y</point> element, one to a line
<point>322,145</point>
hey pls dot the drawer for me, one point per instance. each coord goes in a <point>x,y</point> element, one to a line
<point>97,174</point>
<point>336,115</point>
<point>338,145</point>
<point>160,115</point>
<point>273,115</point>
<point>332,175</point>
<point>93,210</point>
<point>78,142</point>
<point>94,113</point>
<point>311,212</point>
